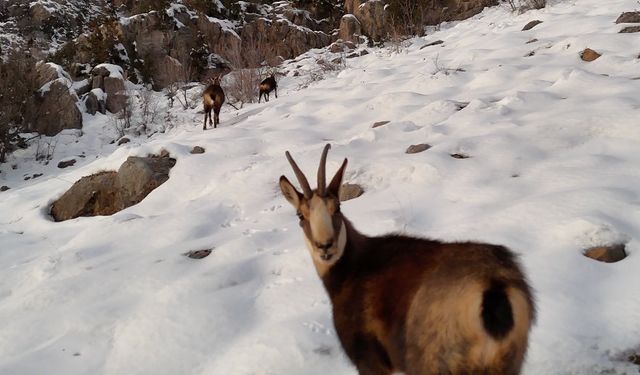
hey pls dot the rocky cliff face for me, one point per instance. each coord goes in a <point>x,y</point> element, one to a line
<point>42,26</point>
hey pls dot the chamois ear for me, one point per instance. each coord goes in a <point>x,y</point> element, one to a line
<point>290,193</point>
<point>336,181</point>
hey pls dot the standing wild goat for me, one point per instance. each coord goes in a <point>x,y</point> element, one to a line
<point>410,304</point>
<point>266,86</point>
<point>212,98</point>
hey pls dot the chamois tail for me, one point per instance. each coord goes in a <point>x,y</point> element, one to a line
<point>497,314</point>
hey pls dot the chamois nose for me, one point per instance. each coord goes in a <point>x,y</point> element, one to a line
<point>325,246</point>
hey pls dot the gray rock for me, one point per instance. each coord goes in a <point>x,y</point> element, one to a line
<point>460,156</point>
<point>437,42</point>
<point>350,28</point>
<point>198,254</point>
<point>630,29</point>
<point>197,150</point>
<point>414,149</point>
<point>4,188</point>
<point>629,17</point>
<point>90,196</point>
<point>82,87</point>
<point>531,25</point>
<point>55,109</point>
<point>106,193</point>
<point>94,102</point>
<point>116,94</point>
<point>607,254</point>
<point>66,163</point>
<point>137,177</point>
<point>380,123</point>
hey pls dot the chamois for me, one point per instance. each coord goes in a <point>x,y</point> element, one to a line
<point>413,305</point>
<point>212,98</point>
<point>266,86</point>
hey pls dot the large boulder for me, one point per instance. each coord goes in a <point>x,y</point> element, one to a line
<point>47,72</point>
<point>110,79</point>
<point>137,177</point>
<point>95,102</point>
<point>350,28</point>
<point>116,94</point>
<point>106,193</point>
<point>55,109</point>
<point>90,196</point>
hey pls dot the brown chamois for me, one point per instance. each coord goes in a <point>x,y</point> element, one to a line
<point>413,305</point>
<point>212,98</point>
<point>266,86</point>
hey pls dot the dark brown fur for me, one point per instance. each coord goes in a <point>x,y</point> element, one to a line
<point>377,279</point>
<point>409,304</point>
<point>213,98</point>
<point>266,86</point>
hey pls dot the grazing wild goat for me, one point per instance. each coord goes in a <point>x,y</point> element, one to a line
<point>212,98</point>
<point>413,305</point>
<point>266,86</point>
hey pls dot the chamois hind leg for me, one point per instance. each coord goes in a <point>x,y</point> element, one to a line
<point>216,118</point>
<point>276,91</point>
<point>204,126</point>
<point>259,96</point>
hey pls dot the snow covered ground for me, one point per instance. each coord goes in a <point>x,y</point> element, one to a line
<point>554,167</point>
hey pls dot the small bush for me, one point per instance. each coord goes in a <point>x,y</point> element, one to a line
<point>242,86</point>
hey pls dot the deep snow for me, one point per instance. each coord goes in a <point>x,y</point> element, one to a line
<point>554,168</point>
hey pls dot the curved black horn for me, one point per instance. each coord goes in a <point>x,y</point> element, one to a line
<point>304,184</point>
<point>322,181</point>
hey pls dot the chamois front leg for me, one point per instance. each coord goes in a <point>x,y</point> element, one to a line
<point>276,91</point>
<point>370,357</point>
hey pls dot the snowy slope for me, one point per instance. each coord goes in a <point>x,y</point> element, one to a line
<point>554,168</point>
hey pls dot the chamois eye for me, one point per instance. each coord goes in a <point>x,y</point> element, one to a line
<point>300,216</point>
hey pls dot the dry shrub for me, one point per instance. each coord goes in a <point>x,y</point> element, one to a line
<point>242,85</point>
<point>19,83</point>
<point>322,68</point>
<point>251,67</point>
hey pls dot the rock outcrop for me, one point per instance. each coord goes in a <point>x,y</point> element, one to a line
<point>350,28</point>
<point>54,105</point>
<point>109,79</point>
<point>106,193</point>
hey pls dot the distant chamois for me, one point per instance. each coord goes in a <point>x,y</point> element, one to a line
<point>266,86</point>
<point>413,305</point>
<point>212,98</point>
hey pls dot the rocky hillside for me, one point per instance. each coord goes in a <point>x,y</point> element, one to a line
<point>42,26</point>
<point>62,58</point>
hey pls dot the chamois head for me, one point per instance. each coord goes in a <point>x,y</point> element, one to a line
<point>319,212</point>
<point>215,80</point>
